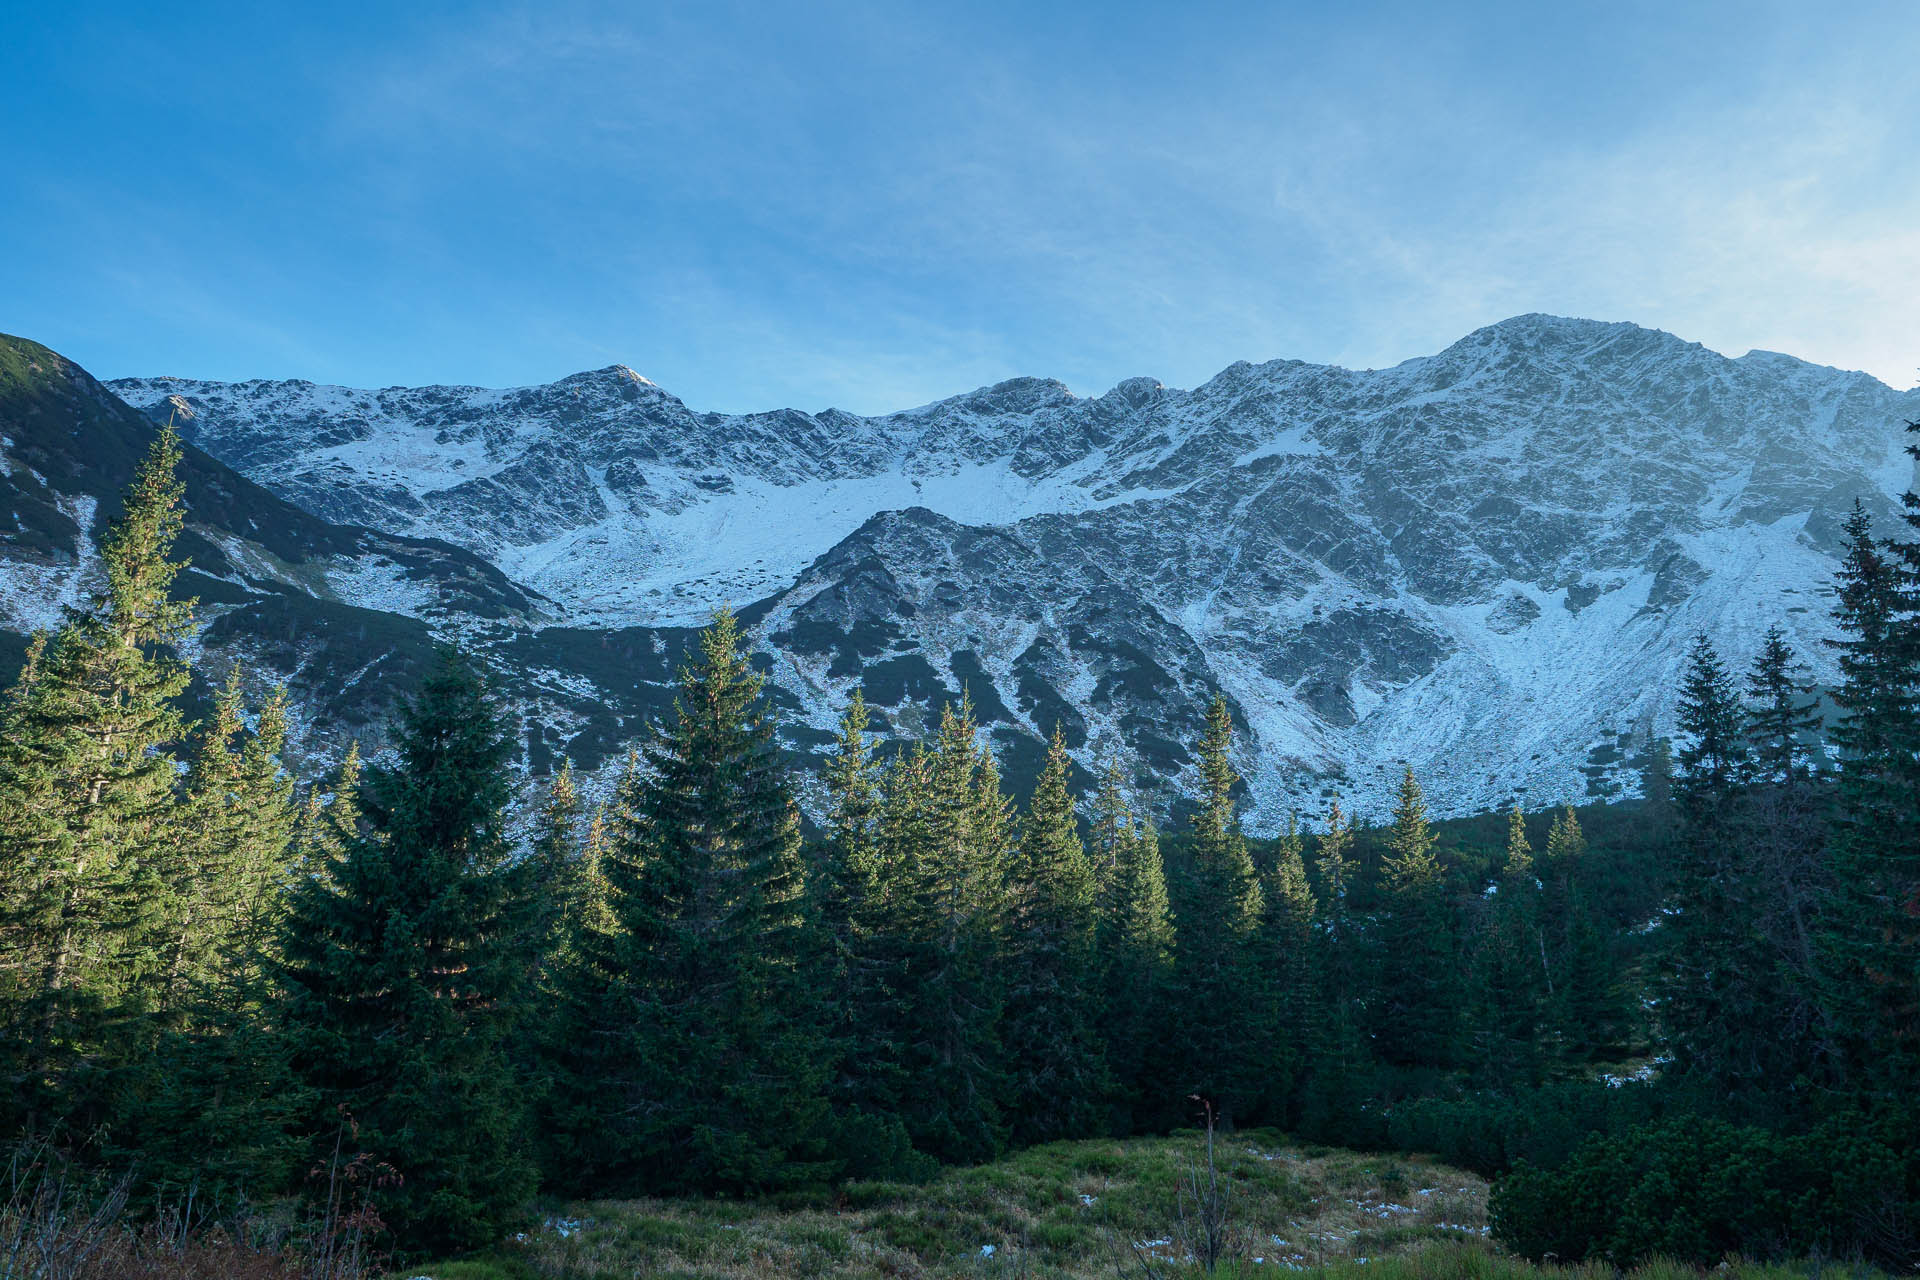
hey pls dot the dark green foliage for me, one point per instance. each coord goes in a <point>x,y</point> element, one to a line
<point>1414,1022</point>
<point>1779,717</point>
<point>218,1106</point>
<point>1714,759</point>
<point>1701,1190</point>
<point>1057,1071</point>
<point>692,1053</point>
<point>1870,947</point>
<point>1706,986</point>
<point>91,846</point>
<point>402,968</point>
<point>860,964</point>
<point>555,876</point>
<point>1288,975</point>
<point>946,844</point>
<point>1136,961</point>
<point>1511,975</point>
<point>1342,1056</point>
<point>1219,910</point>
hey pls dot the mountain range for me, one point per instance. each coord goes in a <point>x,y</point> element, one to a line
<point>1486,563</point>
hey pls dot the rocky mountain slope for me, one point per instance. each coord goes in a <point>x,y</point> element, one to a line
<point>349,612</point>
<point>1486,562</point>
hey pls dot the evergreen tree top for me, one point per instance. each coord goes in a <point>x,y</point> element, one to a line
<point>1565,840</point>
<point>1714,759</point>
<point>1052,861</point>
<point>1330,855</point>
<point>447,798</point>
<point>1519,863</point>
<point>1410,863</point>
<point>1778,716</point>
<point>1218,816</point>
<point>137,552</point>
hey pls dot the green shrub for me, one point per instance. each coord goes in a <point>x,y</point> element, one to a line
<point>1701,1190</point>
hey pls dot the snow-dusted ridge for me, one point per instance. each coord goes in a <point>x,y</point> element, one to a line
<point>1487,561</point>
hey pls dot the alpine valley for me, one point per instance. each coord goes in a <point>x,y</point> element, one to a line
<point>1487,563</point>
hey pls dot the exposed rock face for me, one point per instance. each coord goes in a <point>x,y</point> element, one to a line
<point>1487,562</point>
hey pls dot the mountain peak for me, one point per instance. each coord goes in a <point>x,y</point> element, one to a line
<point>1135,391</point>
<point>625,371</point>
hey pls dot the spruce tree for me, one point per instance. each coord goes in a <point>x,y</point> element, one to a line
<point>1870,928</point>
<point>1057,1073</point>
<point>1342,1059</point>
<point>1287,973</point>
<point>216,1106</point>
<point>1566,843</point>
<point>401,970</point>
<point>1219,920</point>
<point>1714,760</point>
<point>949,831</point>
<point>1111,825</point>
<point>238,836</point>
<point>90,838</point>
<point>1518,866</point>
<point>554,876</point>
<point>860,963</point>
<point>592,910</point>
<point>1137,972</point>
<point>694,1055</point>
<point>329,819</point>
<point>1512,968</point>
<point>1415,1020</point>
<point>1777,717</point>
<point>849,878</point>
<point>1711,982</point>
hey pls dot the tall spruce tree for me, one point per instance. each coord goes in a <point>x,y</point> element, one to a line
<point>1287,974</point>
<point>1137,971</point>
<point>1220,909</point>
<point>861,962</point>
<point>1415,1021</point>
<point>216,1106</point>
<point>950,832</point>
<point>90,830</point>
<point>1512,968</point>
<point>1518,866</point>
<point>1342,1061</point>
<point>1712,977</point>
<point>554,876</point>
<point>1869,941</point>
<point>1058,1079</point>
<point>1111,827</point>
<point>694,1054</point>
<point>238,834</point>
<point>1714,760</point>
<point>401,970</point>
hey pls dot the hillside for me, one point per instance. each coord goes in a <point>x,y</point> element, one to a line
<point>344,614</point>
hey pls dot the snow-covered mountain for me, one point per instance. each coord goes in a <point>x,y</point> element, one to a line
<point>1485,562</point>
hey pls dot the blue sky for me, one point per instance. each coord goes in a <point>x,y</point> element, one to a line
<point>874,205</point>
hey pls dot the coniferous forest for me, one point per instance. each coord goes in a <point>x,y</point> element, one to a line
<point>1687,1025</point>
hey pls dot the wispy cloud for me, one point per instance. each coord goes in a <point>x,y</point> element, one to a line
<point>876,205</point>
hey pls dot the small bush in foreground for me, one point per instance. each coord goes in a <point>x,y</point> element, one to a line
<point>1702,1190</point>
